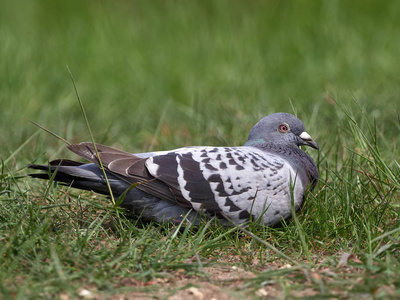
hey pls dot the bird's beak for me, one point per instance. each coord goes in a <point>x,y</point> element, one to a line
<point>308,140</point>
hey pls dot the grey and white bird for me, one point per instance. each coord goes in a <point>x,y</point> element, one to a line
<point>257,181</point>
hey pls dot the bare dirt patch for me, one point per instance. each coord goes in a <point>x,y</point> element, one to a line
<point>220,282</point>
<point>225,280</point>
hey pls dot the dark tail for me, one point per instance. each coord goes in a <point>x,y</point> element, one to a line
<point>80,175</point>
<point>136,202</point>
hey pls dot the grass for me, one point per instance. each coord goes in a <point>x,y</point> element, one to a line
<point>161,75</point>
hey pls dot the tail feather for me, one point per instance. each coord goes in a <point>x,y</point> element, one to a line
<point>88,176</point>
<point>79,175</point>
<point>122,168</point>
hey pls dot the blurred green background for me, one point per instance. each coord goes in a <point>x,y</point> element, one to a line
<point>162,74</point>
<point>157,75</point>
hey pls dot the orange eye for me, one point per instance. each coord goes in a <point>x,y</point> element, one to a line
<point>283,127</point>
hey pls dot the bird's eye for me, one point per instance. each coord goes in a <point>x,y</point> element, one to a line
<point>284,127</point>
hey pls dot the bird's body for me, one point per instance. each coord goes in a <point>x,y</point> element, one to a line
<point>257,181</point>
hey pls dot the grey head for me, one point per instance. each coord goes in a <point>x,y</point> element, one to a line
<point>280,130</point>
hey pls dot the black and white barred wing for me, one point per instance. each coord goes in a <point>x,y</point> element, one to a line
<point>241,182</point>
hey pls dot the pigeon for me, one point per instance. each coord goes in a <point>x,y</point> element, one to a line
<point>259,181</point>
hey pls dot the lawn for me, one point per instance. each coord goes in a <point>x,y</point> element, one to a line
<point>158,75</point>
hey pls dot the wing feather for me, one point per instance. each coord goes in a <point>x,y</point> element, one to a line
<point>125,166</point>
<point>237,181</point>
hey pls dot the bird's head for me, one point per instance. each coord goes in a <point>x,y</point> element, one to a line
<point>280,129</point>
